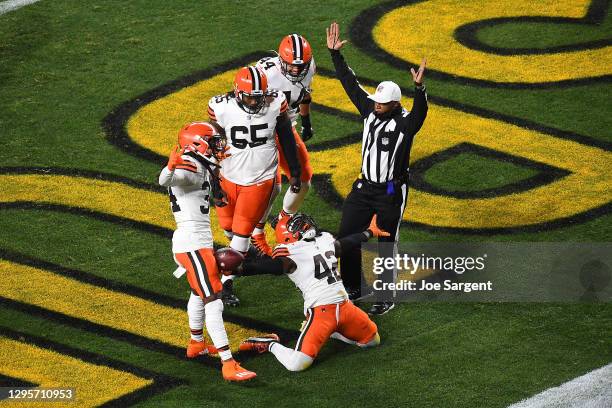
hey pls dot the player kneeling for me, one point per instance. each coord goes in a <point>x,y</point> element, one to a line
<point>189,176</point>
<point>310,258</point>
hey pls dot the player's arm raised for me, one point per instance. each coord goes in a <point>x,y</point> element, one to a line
<point>179,171</point>
<point>354,240</point>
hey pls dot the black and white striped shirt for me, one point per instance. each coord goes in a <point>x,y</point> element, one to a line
<point>386,140</point>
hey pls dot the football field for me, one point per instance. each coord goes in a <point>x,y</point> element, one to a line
<point>516,147</point>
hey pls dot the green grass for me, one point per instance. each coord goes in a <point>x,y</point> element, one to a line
<point>65,65</point>
<point>543,35</point>
<point>475,173</point>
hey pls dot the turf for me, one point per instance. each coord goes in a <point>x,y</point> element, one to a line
<point>475,173</point>
<point>64,66</point>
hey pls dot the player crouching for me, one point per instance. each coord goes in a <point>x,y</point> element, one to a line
<point>189,176</point>
<point>310,258</point>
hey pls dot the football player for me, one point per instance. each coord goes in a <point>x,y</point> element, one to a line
<point>290,72</point>
<point>189,176</point>
<point>310,258</point>
<point>251,116</point>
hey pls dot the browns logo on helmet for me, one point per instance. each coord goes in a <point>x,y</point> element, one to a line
<point>250,87</point>
<point>295,57</point>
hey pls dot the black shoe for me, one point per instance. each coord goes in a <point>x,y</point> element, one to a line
<point>357,294</point>
<point>381,308</point>
<point>227,295</point>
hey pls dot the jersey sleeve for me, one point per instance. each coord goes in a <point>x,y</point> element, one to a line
<point>284,105</point>
<point>280,250</point>
<point>185,174</point>
<point>211,110</point>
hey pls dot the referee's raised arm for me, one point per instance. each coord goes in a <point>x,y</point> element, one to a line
<point>345,75</point>
<point>381,189</point>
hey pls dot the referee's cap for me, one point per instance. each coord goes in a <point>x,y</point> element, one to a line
<point>386,91</point>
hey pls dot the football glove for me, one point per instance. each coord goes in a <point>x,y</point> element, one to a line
<point>375,231</point>
<point>175,157</point>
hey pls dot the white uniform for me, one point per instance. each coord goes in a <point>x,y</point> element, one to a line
<point>251,138</point>
<point>316,274</point>
<point>189,190</point>
<point>294,92</point>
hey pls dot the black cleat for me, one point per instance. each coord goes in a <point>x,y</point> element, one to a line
<point>357,294</point>
<point>227,295</point>
<point>381,308</point>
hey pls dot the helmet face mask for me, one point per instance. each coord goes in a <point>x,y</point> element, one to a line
<point>250,103</point>
<point>250,87</point>
<point>295,56</point>
<point>294,71</point>
<point>196,133</point>
<point>298,227</point>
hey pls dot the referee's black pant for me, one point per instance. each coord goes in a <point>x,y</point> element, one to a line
<point>365,200</point>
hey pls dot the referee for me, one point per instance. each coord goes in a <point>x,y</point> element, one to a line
<point>382,189</point>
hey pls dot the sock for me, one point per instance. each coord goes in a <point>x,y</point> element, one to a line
<point>195,313</point>
<point>338,336</point>
<point>259,228</point>
<point>293,201</point>
<point>239,243</point>
<point>227,277</point>
<point>216,328</point>
<point>292,360</point>
<point>228,234</point>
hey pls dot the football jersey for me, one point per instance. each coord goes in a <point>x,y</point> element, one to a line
<point>317,270</point>
<point>294,91</point>
<point>189,193</point>
<point>250,137</point>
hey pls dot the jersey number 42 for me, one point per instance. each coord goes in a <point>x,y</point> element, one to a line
<point>326,268</point>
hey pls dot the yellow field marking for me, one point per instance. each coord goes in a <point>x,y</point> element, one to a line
<point>401,34</point>
<point>91,194</point>
<point>102,306</point>
<point>155,126</point>
<point>93,384</point>
<point>586,188</point>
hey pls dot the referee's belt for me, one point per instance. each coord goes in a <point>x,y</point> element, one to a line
<point>397,182</point>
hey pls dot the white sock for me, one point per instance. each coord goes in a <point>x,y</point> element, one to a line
<point>216,328</point>
<point>195,313</point>
<point>292,360</point>
<point>227,277</point>
<point>374,342</point>
<point>293,201</point>
<point>338,336</point>
<point>228,234</point>
<point>240,244</point>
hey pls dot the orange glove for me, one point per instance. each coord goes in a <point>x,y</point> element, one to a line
<point>375,231</point>
<point>175,157</point>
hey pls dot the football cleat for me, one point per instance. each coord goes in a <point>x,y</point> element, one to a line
<point>233,372</point>
<point>227,294</point>
<point>198,348</point>
<point>259,344</point>
<point>261,245</point>
<point>381,308</point>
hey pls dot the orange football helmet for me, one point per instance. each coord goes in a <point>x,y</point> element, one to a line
<point>295,57</point>
<point>197,132</point>
<point>299,226</point>
<point>250,87</point>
